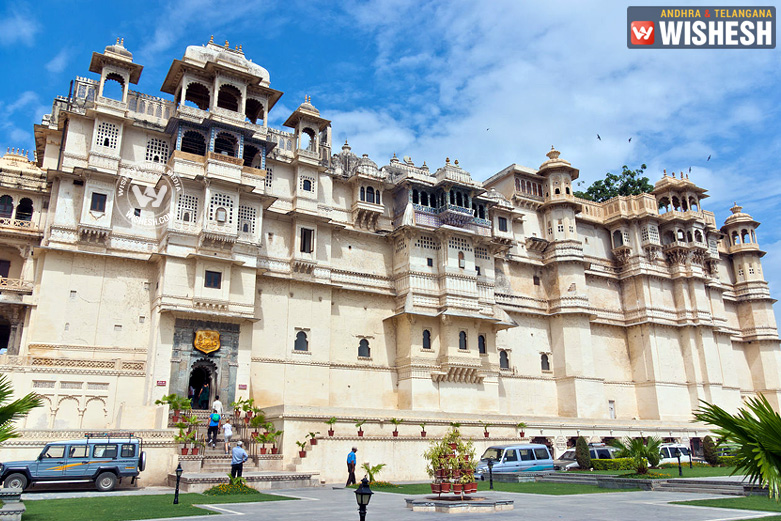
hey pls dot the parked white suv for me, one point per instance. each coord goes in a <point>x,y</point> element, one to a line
<point>567,460</point>
<point>669,453</point>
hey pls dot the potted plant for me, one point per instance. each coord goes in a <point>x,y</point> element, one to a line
<point>236,406</point>
<point>248,406</point>
<point>445,486</point>
<point>256,420</point>
<point>183,439</point>
<point>396,422</point>
<point>521,426</point>
<point>423,430</point>
<point>192,422</point>
<point>302,449</point>
<point>468,482</point>
<point>176,403</point>
<point>262,439</point>
<point>330,422</point>
<point>273,436</point>
<point>358,424</point>
<point>312,438</point>
<point>197,444</point>
<point>485,428</point>
<point>457,487</point>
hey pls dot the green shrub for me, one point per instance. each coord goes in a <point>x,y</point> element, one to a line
<point>728,461</point>
<point>613,464</point>
<point>709,451</point>
<point>226,489</point>
<point>581,453</point>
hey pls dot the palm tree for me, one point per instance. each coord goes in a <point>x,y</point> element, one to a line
<point>643,452</point>
<point>9,412</point>
<point>757,430</point>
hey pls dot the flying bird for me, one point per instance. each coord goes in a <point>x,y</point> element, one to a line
<point>708,159</point>
<point>599,138</point>
<point>690,170</point>
<point>630,139</point>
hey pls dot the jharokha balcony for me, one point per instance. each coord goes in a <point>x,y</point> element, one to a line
<point>15,285</point>
<point>7,224</point>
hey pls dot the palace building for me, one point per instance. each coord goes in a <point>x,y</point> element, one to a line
<point>159,243</point>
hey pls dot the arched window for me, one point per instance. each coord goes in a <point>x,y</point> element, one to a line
<point>459,199</point>
<point>423,198</point>
<point>698,236</point>
<point>462,340</point>
<point>688,236</point>
<point>504,360</point>
<point>684,205</point>
<point>114,87</point>
<point>461,261</point>
<point>426,339</point>
<point>377,197</point>
<point>250,151</point>
<point>198,95</point>
<point>415,197</point>
<point>307,140</point>
<point>557,191</point>
<point>735,239</point>
<point>24,210</point>
<point>681,236</point>
<point>474,210</point>
<point>225,144</point>
<point>618,239</point>
<point>253,111</point>
<point>194,143</point>
<point>744,237</point>
<point>6,206</point>
<point>481,211</point>
<point>302,344</point>
<point>229,97</point>
<point>370,195</point>
<point>567,189</point>
<point>363,194</point>
<point>528,187</point>
<point>481,344</point>
<point>544,362</point>
<point>307,185</point>
<point>363,348</point>
<point>517,185</point>
<point>452,198</point>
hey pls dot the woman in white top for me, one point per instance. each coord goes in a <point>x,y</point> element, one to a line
<point>227,431</point>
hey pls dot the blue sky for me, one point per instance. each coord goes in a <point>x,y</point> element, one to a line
<point>488,83</point>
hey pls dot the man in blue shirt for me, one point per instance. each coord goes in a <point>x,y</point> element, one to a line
<point>351,467</point>
<point>238,457</point>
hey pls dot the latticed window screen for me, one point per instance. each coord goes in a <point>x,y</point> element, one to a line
<point>156,150</point>
<point>457,243</point>
<point>221,200</point>
<point>187,209</point>
<point>644,234</point>
<point>247,217</point>
<point>428,243</point>
<point>269,177</point>
<point>481,253</point>
<point>653,231</point>
<point>107,135</point>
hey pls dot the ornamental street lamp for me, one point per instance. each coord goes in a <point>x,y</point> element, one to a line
<point>363,495</point>
<point>678,455</point>
<point>491,473</point>
<point>178,471</point>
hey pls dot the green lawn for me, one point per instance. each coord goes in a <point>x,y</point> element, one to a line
<point>552,489</point>
<point>122,508</point>
<point>669,472</point>
<point>762,503</point>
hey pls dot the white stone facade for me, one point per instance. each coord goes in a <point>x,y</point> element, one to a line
<point>341,288</point>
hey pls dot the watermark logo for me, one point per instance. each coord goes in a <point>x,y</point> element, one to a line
<point>146,199</point>
<point>688,27</point>
<point>642,33</point>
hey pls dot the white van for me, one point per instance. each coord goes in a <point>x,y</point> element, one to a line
<point>515,458</point>
<point>669,453</point>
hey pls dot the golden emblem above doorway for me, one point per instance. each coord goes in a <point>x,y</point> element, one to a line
<point>207,341</point>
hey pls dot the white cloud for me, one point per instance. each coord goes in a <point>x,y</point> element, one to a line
<point>18,26</point>
<point>57,64</point>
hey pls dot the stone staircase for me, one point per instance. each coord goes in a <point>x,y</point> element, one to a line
<point>704,486</point>
<point>561,477</point>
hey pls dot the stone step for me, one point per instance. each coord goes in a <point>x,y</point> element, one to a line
<point>263,480</point>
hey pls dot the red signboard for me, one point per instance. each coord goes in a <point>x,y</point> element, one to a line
<point>161,383</point>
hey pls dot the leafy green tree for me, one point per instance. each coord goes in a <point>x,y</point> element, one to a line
<point>709,451</point>
<point>628,182</point>
<point>756,429</point>
<point>10,412</point>
<point>642,452</point>
<point>581,453</point>
<point>373,470</point>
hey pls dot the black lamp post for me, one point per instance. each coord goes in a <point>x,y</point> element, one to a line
<point>678,455</point>
<point>363,495</point>
<point>178,471</point>
<point>491,473</point>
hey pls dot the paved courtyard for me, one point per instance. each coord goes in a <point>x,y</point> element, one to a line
<point>329,504</point>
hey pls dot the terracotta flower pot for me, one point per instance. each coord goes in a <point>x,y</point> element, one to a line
<point>330,432</point>
<point>185,450</point>
<point>422,434</point>
<point>445,486</point>
<point>473,487</point>
<point>440,473</point>
<point>254,433</point>
<point>246,419</point>
<point>456,474</point>
<point>486,434</point>
<point>453,446</point>
<point>457,487</point>
<point>436,488</point>
<point>274,450</point>
<point>237,412</point>
<point>195,451</point>
<point>249,414</point>
<point>263,450</point>
<point>395,434</point>
<point>523,434</point>
<point>302,454</point>
<point>360,433</point>
<point>313,442</point>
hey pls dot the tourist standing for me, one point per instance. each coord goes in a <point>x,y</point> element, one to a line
<point>227,432</point>
<point>203,397</point>
<point>217,405</point>
<point>351,459</point>
<point>238,457</point>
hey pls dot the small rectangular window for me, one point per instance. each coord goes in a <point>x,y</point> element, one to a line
<point>526,454</point>
<point>137,212</point>
<point>128,450</point>
<point>213,279</point>
<point>502,224</point>
<point>306,240</point>
<point>105,451</point>
<point>98,202</point>
<point>477,268</point>
<point>430,262</point>
<point>541,454</point>
<point>77,451</point>
<point>511,455</point>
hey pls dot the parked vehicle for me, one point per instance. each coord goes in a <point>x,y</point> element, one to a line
<point>515,458</point>
<point>669,453</point>
<point>104,459</point>
<point>567,460</point>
